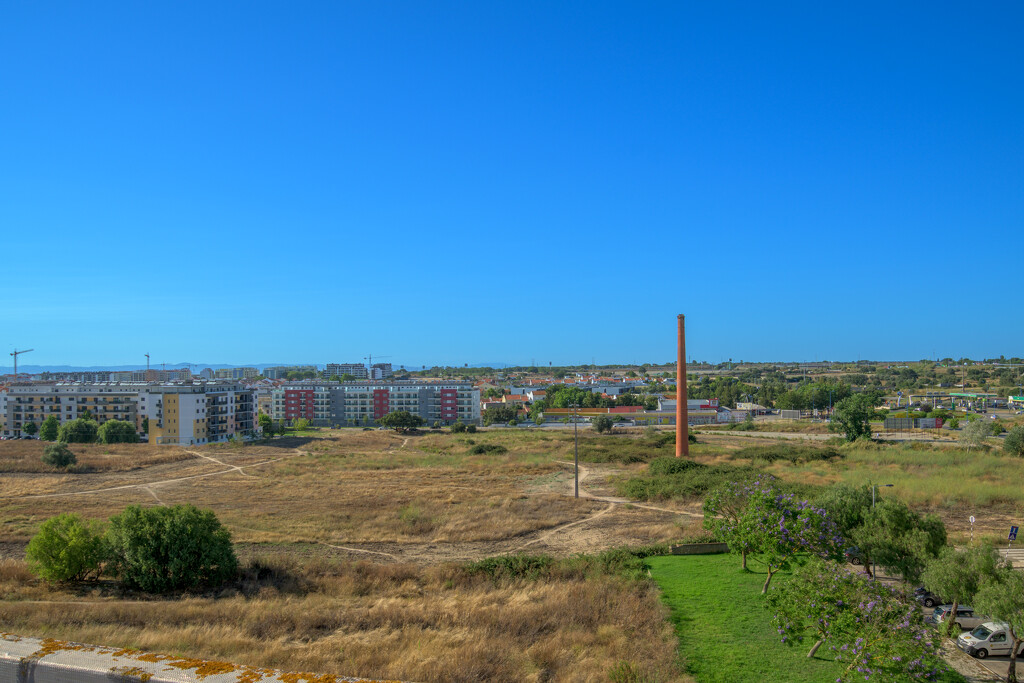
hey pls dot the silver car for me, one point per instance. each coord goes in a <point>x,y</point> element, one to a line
<point>965,618</point>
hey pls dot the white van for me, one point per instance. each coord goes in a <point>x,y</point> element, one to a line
<point>991,638</point>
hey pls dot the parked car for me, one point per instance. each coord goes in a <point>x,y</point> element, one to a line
<point>965,618</point>
<point>854,555</point>
<point>990,638</point>
<point>927,598</point>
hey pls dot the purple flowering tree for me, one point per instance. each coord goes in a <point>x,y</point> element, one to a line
<point>782,528</point>
<point>868,626</point>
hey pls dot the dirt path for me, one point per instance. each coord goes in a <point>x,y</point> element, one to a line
<point>585,473</point>
<point>147,486</point>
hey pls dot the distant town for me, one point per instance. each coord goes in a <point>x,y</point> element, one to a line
<point>191,406</point>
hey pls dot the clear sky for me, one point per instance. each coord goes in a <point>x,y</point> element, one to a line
<point>450,182</point>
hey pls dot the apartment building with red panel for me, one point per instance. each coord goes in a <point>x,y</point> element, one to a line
<point>298,402</point>
<point>347,404</point>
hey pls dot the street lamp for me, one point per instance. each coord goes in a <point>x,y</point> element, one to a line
<point>873,487</point>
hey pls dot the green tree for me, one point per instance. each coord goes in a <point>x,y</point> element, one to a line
<point>602,424</point>
<point>1002,597</point>
<point>145,425</point>
<point>458,428</point>
<point>873,631</point>
<point>67,548</point>
<point>30,428</point>
<point>852,416</point>
<point>499,414</point>
<point>538,420</point>
<point>847,506</point>
<point>117,431</point>
<point>401,421</point>
<point>170,548</point>
<point>900,539</point>
<point>266,424</point>
<point>80,430</point>
<point>724,509</point>
<point>58,455</point>
<point>300,423</point>
<point>48,430</point>
<point>957,575</point>
<point>974,434</point>
<point>86,414</point>
<point>1014,443</point>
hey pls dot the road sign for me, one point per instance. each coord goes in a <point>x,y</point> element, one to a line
<point>1013,533</point>
<point>972,519</point>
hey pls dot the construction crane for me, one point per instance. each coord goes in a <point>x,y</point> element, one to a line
<point>369,363</point>
<point>17,353</point>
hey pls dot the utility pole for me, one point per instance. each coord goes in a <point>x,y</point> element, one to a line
<point>17,353</point>
<point>147,363</point>
<point>576,448</point>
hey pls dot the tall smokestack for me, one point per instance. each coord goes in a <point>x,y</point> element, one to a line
<point>682,410</point>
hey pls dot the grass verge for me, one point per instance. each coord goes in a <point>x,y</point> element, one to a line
<point>725,633</point>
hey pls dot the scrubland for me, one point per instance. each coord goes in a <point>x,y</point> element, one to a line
<point>358,547</point>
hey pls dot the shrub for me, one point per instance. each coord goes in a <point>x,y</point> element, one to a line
<point>471,429</point>
<point>954,423</point>
<point>997,428</point>
<point>58,455</point>
<point>602,423</point>
<point>67,548</point>
<point>787,452</point>
<point>512,566</point>
<point>79,430</point>
<point>488,449</point>
<point>458,428</point>
<point>170,548</point>
<point>668,465</point>
<point>117,431</point>
<point>1014,443</point>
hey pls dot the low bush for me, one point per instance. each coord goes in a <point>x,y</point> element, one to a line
<point>510,567</point>
<point>671,465</point>
<point>488,449</point>
<point>67,548</point>
<point>59,455</point>
<point>788,452</point>
<point>170,548</point>
<point>694,481</point>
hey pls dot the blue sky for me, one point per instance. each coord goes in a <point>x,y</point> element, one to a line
<point>467,182</point>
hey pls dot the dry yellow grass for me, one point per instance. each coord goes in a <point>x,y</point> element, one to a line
<point>25,456</point>
<point>439,623</point>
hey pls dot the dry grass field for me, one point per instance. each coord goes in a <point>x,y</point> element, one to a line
<point>355,545</point>
<point>395,621</point>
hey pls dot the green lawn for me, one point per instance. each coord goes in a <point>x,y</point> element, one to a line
<point>725,633</point>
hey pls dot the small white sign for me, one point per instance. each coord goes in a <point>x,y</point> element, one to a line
<point>972,519</point>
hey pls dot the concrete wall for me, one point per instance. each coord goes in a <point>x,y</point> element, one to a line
<point>31,660</point>
<point>700,549</point>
